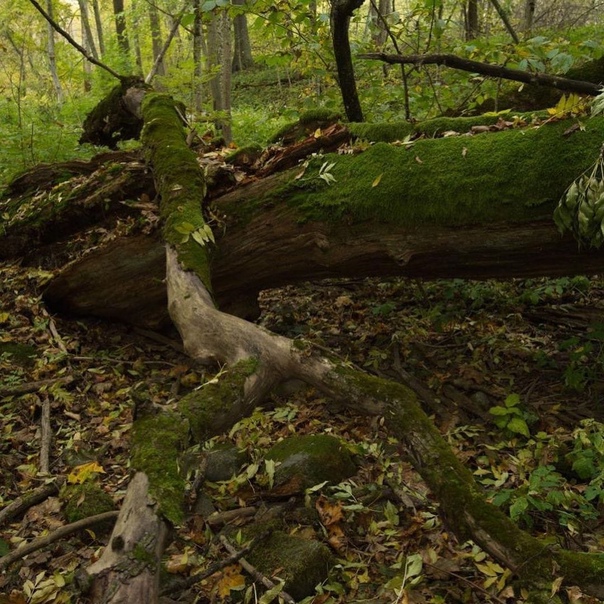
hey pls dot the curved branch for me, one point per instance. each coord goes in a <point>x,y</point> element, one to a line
<point>495,71</point>
<point>77,46</point>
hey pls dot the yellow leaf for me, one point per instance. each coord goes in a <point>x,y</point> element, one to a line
<point>376,182</point>
<point>231,579</point>
<point>84,472</point>
<point>317,133</point>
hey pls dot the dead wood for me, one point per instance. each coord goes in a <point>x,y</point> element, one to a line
<point>494,71</point>
<point>57,535</point>
<point>23,503</point>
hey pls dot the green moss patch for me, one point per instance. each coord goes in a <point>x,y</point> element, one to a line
<point>309,460</point>
<point>514,176</point>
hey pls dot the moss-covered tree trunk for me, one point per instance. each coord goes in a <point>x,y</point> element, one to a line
<point>256,361</point>
<point>463,206</point>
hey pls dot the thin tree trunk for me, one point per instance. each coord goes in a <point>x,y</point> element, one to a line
<point>155,25</point>
<point>138,55</point>
<point>219,63</point>
<point>87,30</point>
<point>120,28</point>
<point>341,12</point>
<point>198,43</point>
<point>471,19</point>
<point>529,15</point>
<point>52,63</point>
<point>242,55</point>
<point>99,26</point>
<point>86,64</point>
<point>506,21</point>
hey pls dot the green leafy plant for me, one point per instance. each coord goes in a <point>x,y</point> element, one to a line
<point>580,210</point>
<point>511,417</point>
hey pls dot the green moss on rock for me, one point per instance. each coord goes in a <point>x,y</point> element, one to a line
<point>309,460</point>
<point>85,500</point>
<point>302,563</point>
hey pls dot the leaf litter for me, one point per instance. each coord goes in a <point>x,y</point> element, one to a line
<point>469,345</point>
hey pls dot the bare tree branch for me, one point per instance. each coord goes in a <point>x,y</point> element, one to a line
<point>496,71</point>
<point>77,46</point>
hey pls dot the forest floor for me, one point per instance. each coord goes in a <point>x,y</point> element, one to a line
<point>511,371</point>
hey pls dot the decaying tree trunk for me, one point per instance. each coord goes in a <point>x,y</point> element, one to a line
<point>255,362</point>
<point>392,210</point>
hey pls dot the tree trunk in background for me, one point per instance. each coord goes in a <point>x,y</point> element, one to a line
<point>341,12</point>
<point>219,59</point>
<point>138,55</point>
<point>506,21</point>
<point>87,30</point>
<point>377,14</point>
<point>198,44</point>
<point>242,55</point>
<point>86,64</point>
<point>99,26</point>
<point>155,25</point>
<point>120,27</point>
<point>52,63</point>
<point>471,19</point>
<point>529,15</point>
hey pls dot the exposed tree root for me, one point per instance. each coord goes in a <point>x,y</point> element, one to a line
<point>254,362</point>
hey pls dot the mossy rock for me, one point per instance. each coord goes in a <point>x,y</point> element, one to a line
<point>22,354</point>
<point>309,460</point>
<point>85,500</point>
<point>223,463</point>
<point>301,563</point>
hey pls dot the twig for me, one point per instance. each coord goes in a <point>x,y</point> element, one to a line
<point>256,574</point>
<point>218,518</point>
<point>60,533</point>
<point>34,386</point>
<point>182,584</point>
<point>55,333</point>
<point>45,437</point>
<point>77,46</point>
<point>23,503</point>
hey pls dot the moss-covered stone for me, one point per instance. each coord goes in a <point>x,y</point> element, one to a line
<point>302,563</point>
<point>244,156</point>
<point>157,442</point>
<point>224,462</point>
<point>309,460</point>
<point>85,500</point>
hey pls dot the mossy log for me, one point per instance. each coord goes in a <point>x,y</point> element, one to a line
<point>466,206</point>
<point>257,361</point>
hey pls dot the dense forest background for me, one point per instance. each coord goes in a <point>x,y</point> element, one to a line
<point>509,372</point>
<point>281,60</point>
